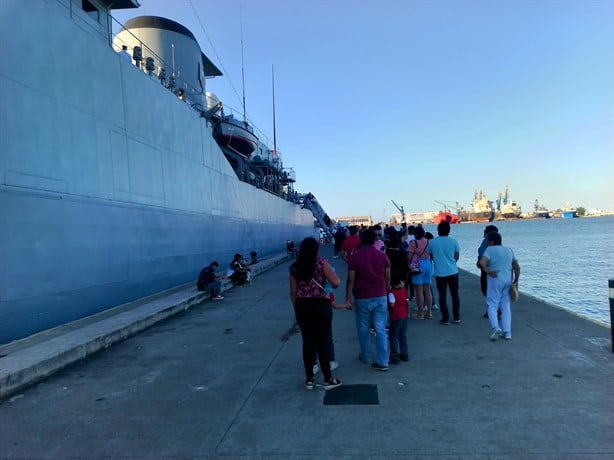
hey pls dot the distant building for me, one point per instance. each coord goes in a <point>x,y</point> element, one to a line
<point>356,220</point>
<point>413,218</point>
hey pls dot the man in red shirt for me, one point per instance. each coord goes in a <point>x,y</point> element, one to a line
<point>366,289</point>
<point>350,243</point>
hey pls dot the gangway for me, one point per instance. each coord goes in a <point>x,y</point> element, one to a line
<point>310,202</point>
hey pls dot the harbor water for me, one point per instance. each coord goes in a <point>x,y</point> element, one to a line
<point>565,262</point>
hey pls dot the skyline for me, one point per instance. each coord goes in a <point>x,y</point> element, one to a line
<point>419,101</point>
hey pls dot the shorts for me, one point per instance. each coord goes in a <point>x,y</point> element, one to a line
<point>426,275</point>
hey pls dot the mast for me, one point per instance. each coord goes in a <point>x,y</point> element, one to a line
<point>274,124</point>
<point>242,67</point>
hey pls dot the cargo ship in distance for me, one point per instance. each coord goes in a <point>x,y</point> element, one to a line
<point>506,208</point>
<point>122,175</point>
<point>481,209</point>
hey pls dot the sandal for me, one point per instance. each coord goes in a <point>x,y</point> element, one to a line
<point>309,384</point>
<point>332,383</point>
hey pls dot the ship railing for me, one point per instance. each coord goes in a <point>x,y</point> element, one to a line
<point>156,67</point>
<point>170,77</point>
<point>152,64</point>
<point>95,23</point>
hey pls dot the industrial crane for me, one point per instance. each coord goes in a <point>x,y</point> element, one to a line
<point>401,210</point>
<point>447,204</point>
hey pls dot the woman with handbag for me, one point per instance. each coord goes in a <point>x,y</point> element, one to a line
<point>421,273</point>
<point>503,272</point>
<point>313,309</point>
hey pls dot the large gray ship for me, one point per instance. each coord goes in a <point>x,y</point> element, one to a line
<point>111,186</point>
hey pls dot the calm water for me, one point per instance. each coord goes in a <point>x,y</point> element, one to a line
<point>565,262</point>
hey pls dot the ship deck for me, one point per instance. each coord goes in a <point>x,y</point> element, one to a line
<point>225,380</point>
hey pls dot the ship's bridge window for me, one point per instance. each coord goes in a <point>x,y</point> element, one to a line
<point>91,9</point>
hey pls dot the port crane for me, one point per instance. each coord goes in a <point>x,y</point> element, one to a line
<point>401,210</point>
<point>450,204</point>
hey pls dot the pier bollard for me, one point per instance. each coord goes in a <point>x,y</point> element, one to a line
<point>611,290</point>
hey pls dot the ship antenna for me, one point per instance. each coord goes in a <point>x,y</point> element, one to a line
<point>274,124</point>
<point>242,66</point>
<point>173,57</point>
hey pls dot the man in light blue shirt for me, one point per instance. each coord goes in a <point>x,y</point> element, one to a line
<point>445,251</point>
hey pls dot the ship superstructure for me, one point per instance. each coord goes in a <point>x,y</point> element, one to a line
<point>506,208</point>
<point>113,184</point>
<point>481,209</point>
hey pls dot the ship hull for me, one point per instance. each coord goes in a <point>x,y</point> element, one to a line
<point>479,217</point>
<point>108,202</point>
<point>445,217</point>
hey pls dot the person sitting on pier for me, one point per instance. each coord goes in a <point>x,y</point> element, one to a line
<point>238,272</point>
<point>209,281</point>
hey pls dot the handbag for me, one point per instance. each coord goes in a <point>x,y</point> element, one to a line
<point>514,294</point>
<point>414,265</point>
<point>327,288</point>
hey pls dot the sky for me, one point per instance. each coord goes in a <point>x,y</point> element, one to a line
<point>420,101</point>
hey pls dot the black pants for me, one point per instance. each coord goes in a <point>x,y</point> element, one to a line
<point>443,282</point>
<point>238,278</point>
<point>483,282</point>
<point>314,317</point>
<point>331,347</point>
<point>409,285</point>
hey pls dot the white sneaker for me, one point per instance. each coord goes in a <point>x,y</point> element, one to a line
<point>507,335</point>
<point>334,365</point>
<point>316,369</point>
<point>496,333</point>
<point>435,306</point>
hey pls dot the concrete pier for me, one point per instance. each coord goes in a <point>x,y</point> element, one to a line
<point>224,380</point>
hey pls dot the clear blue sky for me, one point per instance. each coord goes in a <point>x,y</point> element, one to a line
<point>417,101</point>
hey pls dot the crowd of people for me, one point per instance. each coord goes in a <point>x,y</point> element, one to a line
<point>386,269</point>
